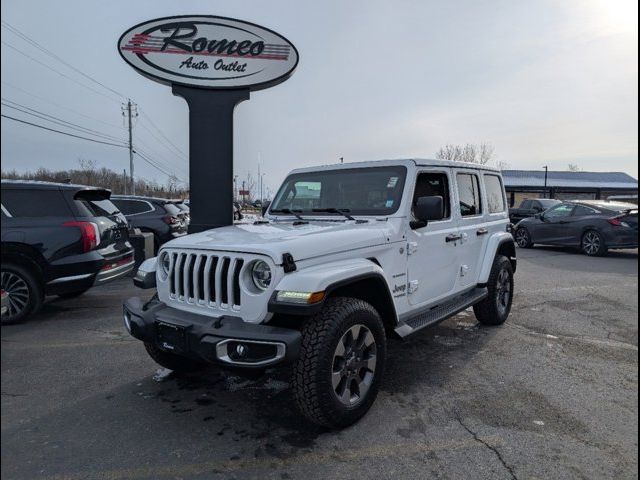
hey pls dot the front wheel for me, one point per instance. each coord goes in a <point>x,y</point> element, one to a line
<point>342,356</point>
<point>495,309</point>
<point>593,244</point>
<point>523,238</point>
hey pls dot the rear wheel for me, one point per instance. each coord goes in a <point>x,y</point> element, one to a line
<point>337,376</point>
<point>24,292</point>
<point>495,309</point>
<point>172,361</point>
<point>593,244</point>
<point>523,238</point>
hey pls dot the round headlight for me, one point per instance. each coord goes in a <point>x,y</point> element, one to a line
<point>165,264</point>
<point>261,275</point>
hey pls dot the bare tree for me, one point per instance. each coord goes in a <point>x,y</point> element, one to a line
<point>471,153</point>
<point>573,167</point>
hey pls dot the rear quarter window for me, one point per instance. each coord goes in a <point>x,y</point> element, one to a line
<point>35,203</point>
<point>495,194</point>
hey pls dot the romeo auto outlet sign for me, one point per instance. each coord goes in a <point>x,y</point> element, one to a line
<point>208,51</point>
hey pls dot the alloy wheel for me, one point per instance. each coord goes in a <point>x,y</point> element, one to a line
<point>354,365</point>
<point>503,291</point>
<point>522,237</point>
<point>18,291</point>
<point>591,243</point>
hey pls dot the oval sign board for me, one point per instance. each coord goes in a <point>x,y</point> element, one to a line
<point>207,51</point>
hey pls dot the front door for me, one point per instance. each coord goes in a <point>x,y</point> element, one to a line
<point>433,254</point>
<point>554,225</point>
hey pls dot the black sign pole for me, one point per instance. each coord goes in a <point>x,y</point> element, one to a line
<point>210,154</point>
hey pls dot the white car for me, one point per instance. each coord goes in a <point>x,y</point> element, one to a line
<point>345,256</point>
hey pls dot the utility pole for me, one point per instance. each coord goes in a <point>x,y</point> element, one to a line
<point>546,175</point>
<point>130,111</point>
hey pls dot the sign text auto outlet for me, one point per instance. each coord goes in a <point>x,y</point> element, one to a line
<point>211,52</point>
<point>214,63</point>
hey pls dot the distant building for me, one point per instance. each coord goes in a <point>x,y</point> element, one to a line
<point>521,184</point>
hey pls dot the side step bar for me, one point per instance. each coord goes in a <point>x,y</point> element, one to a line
<point>438,313</point>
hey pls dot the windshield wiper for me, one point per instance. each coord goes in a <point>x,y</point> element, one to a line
<point>341,211</point>
<point>288,211</point>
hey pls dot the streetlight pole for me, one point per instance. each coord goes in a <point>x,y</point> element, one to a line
<point>546,176</point>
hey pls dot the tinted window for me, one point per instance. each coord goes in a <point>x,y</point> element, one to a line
<point>527,204</point>
<point>363,191</point>
<point>433,185</point>
<point>562,210</point>
<point>131,207</point>
<point>96,208</point>
<point>495,193</point>
<point>581,211</point>
<point>35,203</point>
<point>469,194</point>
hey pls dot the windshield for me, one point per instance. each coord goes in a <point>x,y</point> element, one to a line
<point>358,191</point>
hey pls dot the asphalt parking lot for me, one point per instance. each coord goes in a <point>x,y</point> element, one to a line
<point>551,394</point>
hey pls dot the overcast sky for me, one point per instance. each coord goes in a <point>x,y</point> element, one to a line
<point>545,82</point>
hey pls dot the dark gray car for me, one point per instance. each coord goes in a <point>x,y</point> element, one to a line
<point>593,226</point>
<point>155,215</point>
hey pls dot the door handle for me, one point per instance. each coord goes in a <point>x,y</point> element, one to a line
<point>482,231</point>
<point>453,238</point>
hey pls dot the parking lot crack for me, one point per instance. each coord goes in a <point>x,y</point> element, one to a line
<point>478,439</point>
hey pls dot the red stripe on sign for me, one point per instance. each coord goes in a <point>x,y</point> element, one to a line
<point>143,50</point>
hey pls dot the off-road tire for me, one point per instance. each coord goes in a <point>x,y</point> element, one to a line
<point>523,238</point>
<point>172,361</point>
<point>589,247</point>
<point>11,272</point>
<point>491,310</point>
<point>311,382</point>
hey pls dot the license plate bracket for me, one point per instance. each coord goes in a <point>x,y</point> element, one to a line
<point>171,337</point>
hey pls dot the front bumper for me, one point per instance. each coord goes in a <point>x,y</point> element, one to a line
<point>225,340</point>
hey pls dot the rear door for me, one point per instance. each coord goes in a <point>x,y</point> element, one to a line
<point>471,210</point>
<point>33,214</point>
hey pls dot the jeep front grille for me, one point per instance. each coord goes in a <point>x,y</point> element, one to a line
<point>204,279</point>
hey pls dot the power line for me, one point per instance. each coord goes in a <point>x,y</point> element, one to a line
<point>38,97</point>
<point>180,152</point>
<point>58,72</point>
<point>157,158</point>
<point>56,120</point>
<point>26,38</point>
<point>63,133</point>
<point>156,166</point>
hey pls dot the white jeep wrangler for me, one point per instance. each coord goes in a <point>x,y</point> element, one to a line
<point>346,255</point>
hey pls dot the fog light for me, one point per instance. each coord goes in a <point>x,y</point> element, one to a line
<point>126,316</point>
<point>241,350</point>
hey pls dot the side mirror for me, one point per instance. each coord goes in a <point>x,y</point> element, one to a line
<point>265,207</point>
<point>427,209</point>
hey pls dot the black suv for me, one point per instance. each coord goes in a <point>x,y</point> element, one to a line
<point>58,239</point>
<point>156,215</point>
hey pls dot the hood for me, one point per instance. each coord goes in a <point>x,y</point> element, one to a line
<point>302,241</point>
